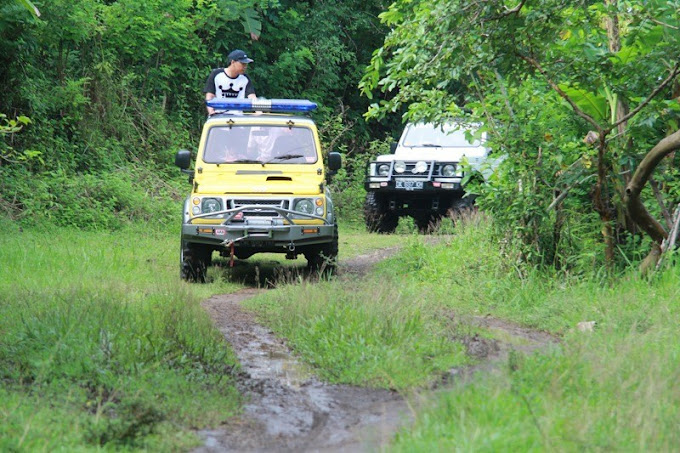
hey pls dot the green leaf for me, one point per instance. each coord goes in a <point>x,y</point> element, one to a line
<point>594,105</point>
<point>251,23</point>
<point>30,6</point>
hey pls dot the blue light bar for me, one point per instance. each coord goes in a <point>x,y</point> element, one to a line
<point>263,105</point>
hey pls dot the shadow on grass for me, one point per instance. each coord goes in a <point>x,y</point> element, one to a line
<point>264,273</point>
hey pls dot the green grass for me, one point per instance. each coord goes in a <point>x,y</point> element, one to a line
<point>101,345</point>
<point>615,388</point>
<point>364,333</point>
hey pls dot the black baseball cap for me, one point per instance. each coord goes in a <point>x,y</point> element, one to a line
<point>239,55</point>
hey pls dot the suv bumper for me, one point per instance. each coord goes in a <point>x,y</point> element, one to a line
<point>427,187</point>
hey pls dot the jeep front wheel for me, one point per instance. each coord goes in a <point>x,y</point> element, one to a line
<point>461,207</point>
<point>323,257</point>
<point>194,260</point>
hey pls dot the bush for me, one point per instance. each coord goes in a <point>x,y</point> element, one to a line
<point>348,185</point>
<point>89,201</point>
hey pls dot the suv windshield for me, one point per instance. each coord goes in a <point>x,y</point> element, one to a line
<point>448,135</point>
<point>259,144</point>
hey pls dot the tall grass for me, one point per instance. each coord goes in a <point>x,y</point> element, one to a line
<point>615,388</point>
<point>101,345</point>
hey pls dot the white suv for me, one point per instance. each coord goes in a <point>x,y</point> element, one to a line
<point>423,179</point>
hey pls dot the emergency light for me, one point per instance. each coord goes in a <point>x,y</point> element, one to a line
<point>264,105</point>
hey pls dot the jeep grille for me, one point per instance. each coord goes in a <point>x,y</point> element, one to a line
<point>262,204</point>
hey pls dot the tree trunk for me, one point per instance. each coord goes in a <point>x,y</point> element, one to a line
<point>634,205</point>
<point>602,200</point>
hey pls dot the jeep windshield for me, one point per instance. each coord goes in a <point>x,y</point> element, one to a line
<point>250,144</point>
<point>445,136</point>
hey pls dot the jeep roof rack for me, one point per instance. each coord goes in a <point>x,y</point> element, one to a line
<point>263,105</point>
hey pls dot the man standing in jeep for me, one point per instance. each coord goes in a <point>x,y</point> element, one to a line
<point>230,82</point>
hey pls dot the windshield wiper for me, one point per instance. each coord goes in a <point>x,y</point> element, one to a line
<point>246,161</point>
<point>430,145</point>
<point>282,157</point>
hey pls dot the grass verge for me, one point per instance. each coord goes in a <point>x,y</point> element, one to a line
<point>102,346</point>
<point>613,388</point>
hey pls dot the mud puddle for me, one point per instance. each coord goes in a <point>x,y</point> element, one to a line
<point>289,409</point>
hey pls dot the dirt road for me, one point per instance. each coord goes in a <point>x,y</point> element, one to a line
<point>289,409</point>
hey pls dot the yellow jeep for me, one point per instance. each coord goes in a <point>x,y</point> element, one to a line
<point>258,185</point>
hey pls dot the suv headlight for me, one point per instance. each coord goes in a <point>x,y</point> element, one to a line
<point>421,167</point>
<point>449,170</point>
<point>383,170</point>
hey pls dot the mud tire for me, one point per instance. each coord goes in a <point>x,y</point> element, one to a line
<point>427,224</point>
<point>324,258</point>
<point>461,207</point>
<point>194,260</point>
<point>378,218</point>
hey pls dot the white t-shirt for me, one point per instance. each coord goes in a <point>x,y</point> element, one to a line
<point>223,86</point>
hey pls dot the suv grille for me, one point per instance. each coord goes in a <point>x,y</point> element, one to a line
<point>410,166</point>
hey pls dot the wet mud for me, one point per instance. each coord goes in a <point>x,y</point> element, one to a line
<point>288,409</point>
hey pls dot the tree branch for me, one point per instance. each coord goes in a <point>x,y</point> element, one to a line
<point>661,86</point>
<point>508,11</point>
<point>662,205</point>
<point>634,205</point>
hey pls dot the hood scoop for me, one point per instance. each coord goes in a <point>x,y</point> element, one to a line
<point>279,178</point>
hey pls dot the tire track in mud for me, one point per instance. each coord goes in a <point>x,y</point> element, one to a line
<point>289,409</point>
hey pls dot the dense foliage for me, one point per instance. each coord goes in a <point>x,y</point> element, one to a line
<point>113,88</point>
<point>542,74</point>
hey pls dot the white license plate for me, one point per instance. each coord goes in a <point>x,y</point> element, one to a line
<point>408,185</point>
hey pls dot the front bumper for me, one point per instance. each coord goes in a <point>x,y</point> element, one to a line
<point>428,186</point>
<point>258,232</point>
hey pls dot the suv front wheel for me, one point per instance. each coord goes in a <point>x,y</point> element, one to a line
<point>379,219</point>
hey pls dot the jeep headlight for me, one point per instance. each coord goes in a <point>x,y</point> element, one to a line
<point>399,167</point>
<point>449,170</point>
<point>211,205</point>
<point>383,170</point>
<point>304,205</point>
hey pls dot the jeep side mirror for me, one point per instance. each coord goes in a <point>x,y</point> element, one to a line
<point>334,161</point>
<point>183,159</point>
<point>393,147</point>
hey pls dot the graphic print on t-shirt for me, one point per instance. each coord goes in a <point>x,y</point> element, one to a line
<point>230,92</point>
